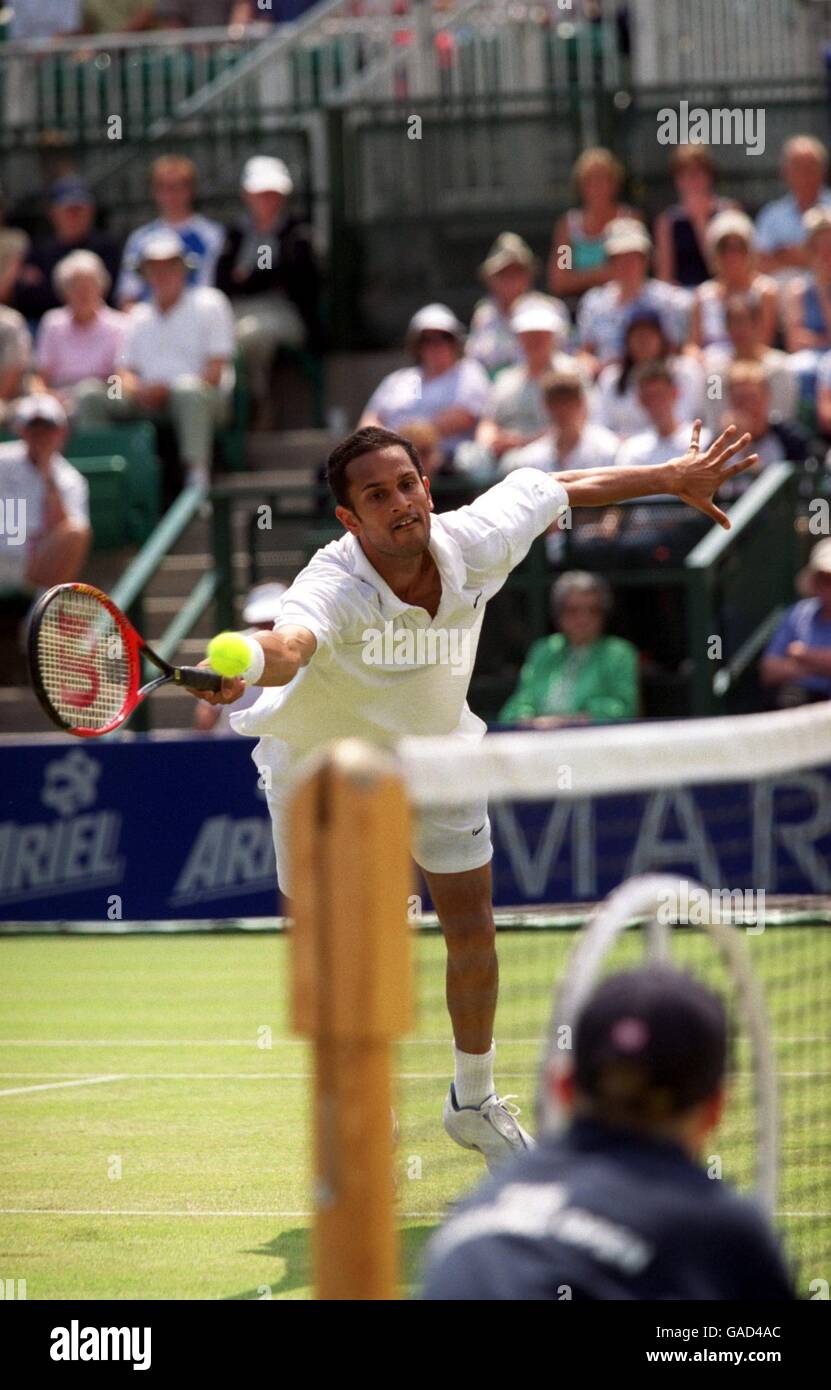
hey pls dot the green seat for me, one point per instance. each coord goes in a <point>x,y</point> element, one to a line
<point>109,499</point>
<point>230,440</point>
<point>135,444</point>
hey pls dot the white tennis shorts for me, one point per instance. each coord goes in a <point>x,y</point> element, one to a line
<point>446,840</point>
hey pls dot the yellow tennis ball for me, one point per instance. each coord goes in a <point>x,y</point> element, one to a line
<point>228,654</point>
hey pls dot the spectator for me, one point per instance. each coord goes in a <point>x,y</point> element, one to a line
<point>797,660</point>
<point>730,251</point>
<point>44,19</point>
<point>669,434</point>
<point>118,16</point>
<point>173,184</point>
<point>426,440</point>
<point>176,359</point>
<point>15,343</point>
<point>269,270</point>
<point>602,314</point>
<point>444,387</point>
<point>618,1204</point>
<point>82,340</point>
<point>743,321</point>
<point>577,674</point>
<point>509,271</point>
<point>749,408</point>
<point>72,211</point>
<point>202,14</point>
<point>618,405</point>
<point>807,311</point>
<point>571,441</point>
<point>52,501</point>
<point>578,260</point>
<point>681,230</point>
<point>780,228</point>
<point>515,412</point>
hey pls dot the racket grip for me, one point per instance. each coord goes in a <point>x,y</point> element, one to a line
<point>199,678</point>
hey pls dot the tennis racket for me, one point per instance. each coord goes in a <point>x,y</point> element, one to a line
<point>85,662</point>
<point>628,930</point>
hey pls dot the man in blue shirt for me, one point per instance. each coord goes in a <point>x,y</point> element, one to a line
<point>780,234</point>
<point>797,662</point>
<point>618,1205</point>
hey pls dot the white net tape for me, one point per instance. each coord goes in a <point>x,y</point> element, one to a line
<point>610,758</point>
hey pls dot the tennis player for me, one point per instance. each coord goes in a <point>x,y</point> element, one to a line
<point>376,639</point>
<point>619,1205</point>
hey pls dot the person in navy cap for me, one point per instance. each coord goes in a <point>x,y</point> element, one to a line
<point>72,211</point>
<point>618,1205</point>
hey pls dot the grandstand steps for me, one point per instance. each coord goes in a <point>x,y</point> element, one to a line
<point>290,451</point>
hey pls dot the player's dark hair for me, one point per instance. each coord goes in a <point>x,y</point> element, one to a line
<point>365,441</point>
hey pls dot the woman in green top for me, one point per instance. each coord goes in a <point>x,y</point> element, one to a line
<point>576,675</point>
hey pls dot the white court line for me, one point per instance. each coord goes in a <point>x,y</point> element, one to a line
<point>56,1085</point>
<point>300,1042</point>
<point>257,1215</point>
<point>278,1215</point>
<point>227,1076</point>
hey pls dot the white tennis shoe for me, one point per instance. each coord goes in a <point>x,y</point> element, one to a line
<point>491,1128</point>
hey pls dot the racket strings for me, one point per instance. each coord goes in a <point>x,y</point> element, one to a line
<point>85,664</point>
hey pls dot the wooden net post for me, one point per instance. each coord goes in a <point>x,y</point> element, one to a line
<point>351,876</point>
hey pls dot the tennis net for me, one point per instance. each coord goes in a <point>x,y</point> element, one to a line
<point>737,812</point>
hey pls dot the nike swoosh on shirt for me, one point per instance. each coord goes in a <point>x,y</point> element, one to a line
<point>477,598</point>
<point>481,828</point>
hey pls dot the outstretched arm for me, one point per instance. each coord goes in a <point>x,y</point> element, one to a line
<point>285,651</point>
<point>695,478</point>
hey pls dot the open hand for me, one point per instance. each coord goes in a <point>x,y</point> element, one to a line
<point>700,475</point>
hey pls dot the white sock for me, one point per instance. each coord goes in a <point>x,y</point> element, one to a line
<point>473,1082</point>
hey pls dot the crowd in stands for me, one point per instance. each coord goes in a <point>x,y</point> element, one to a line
<point>604,355</point>
<point>46,19</point>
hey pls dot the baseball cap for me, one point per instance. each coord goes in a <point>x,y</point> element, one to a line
<point>263,174</point>
<point>653,1039</point>
<point>537,314</point>
<point>819,560</point>
<point>163,246</point>
<point>71,191</point>
<point>40,407</point>
<point>262,603</point>
<point>435,318</point>
<point>732,222</point>
<point>626,234</point>
<point>508,249</point>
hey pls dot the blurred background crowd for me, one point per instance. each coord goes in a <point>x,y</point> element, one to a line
<point>600,350</point>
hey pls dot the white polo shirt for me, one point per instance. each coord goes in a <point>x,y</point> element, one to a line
<point>22,494</point>
<point>165,347</point>
<point>384,668</point>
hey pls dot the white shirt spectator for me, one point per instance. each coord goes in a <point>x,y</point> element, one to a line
<point>203,241</point>
<point>602,318</point>
<point>623,413</point>
<point>343,600</point>
<point>782,379</point>
<point>44,19</point>
<point>22,491</point>
<point>492,341</point>
<point>650,447</point>
<point>409,395</point>
<point>596,448</point>
<point>165,347</point>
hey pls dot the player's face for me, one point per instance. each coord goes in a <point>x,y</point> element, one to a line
<point>390,504</point>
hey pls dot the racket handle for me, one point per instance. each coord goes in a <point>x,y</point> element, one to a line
<point>199,678</point>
